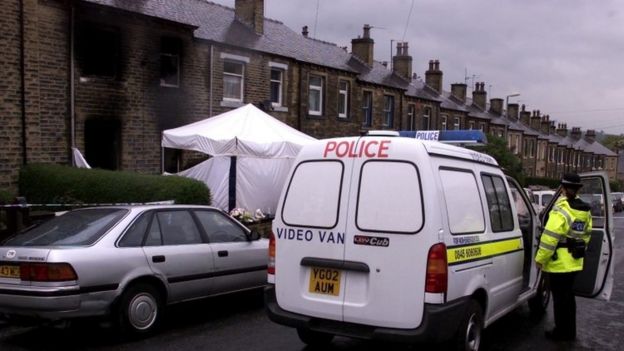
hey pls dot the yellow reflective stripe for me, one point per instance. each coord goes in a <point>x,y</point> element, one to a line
<point>552,234</point>
<point>564,213</point>
<point>482,250</point>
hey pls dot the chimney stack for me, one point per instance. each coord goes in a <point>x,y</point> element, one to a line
<point>363,47</point>
<point>590,135</point>
<point>251,13</point>
<point>545,124</point>
<point>496,106</point>
<point>458,90</point>
<point>479,95</point>
<point>304,31</point>
<point>535,120</point>
<point>433,76</point>
<point>525,117</point>
<point>402,62</point>
<point>512,112</point>
<point>562,130</point>
<point>576,133</point>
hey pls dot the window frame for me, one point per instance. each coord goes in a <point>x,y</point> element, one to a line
<point>456,122</point>
<point>367,110</point>
<point>389,110</point>
<point>411,116</point>
<point>320,89</point>
<point>283,69</point>
<point>426,118</point>
<point>241,77</point>
<point>470,172</point>
<point>498,203</point>
<point>343,95</point>
<point>443,122</point>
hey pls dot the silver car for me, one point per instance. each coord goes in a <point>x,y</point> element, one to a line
<point>127,262</point>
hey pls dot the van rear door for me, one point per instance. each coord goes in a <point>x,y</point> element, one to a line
<point>384,235</point>
<point>309,231</point>
<point>596,279</point>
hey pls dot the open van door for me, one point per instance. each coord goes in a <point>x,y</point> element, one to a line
<point>596,279</point>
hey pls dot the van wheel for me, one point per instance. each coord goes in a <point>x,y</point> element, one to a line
<point>314,338</point>
<point>468,336</point>
<point>539,302</point>
<point>139,310</point>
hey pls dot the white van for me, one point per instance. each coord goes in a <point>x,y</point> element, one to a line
<point>542,198</point>
<point>398,239</point>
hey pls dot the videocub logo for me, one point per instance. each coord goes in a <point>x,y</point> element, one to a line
<point>371,240</point>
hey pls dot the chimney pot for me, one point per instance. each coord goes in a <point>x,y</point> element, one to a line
<point>367,29</point>
<point>304,31</point>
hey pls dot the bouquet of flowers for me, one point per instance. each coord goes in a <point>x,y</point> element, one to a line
<point>244,216</point>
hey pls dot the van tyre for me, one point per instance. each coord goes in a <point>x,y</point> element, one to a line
<point>314,338</point>
<point>470,330</point>
<point>539,302</point>
<point>140,310</point>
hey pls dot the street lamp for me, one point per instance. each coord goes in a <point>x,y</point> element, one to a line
<point>507,99</point>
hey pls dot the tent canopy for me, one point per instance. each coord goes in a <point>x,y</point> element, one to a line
<point>252,153</point>
<point>245,131</point>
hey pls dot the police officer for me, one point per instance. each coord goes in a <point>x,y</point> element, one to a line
<point>561,251</point>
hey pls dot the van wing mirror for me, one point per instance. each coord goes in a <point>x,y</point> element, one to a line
<point>254,235</point>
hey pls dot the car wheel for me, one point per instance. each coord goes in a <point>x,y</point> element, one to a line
<point>314,338</point>
<point>539,302</point>
<point>469,334</point>
<point>140,309</point>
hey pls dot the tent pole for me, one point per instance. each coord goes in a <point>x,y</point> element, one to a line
<point>232,185</point>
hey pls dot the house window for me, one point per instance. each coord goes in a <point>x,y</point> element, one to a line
<point>367,108</point>
<point>99,51</point>
<point>343,99</point>
<point>482,127</point>
<point>471,125</point>
<point>443,122</point>
<point>411,117</point>
<point>456,123</point>
<point>426,118</point>
<point>233,80</point>
<point>315,96</point>
<point>277,76</point>
<point>170,62</point>
<point>389,110</point>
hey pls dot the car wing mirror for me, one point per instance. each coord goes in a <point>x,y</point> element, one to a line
<point>254,235</point>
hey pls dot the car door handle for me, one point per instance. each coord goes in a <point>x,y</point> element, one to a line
<point>223,253</point>
<point>159,258</point>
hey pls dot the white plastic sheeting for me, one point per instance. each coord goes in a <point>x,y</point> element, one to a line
<point>79,160</point>
<point>264,148</point>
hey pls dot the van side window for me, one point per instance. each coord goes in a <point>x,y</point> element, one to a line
<point>463,203</point>
<point>498,203</point>
<point>389,198</point>
<point>313,195</point>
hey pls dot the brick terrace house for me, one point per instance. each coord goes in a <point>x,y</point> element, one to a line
<point>107,76</point>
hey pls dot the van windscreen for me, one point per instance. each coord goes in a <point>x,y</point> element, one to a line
<point>313,195</point>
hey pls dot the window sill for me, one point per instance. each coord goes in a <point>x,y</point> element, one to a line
<point>228,103</point>
<point>280,109</point>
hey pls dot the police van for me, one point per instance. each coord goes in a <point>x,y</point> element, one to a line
<point>409,240</point>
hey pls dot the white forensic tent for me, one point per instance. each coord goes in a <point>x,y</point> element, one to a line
<point>246,144</point>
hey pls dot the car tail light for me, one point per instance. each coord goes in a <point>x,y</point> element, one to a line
<point>271,266</point>
<point>47,272</point>
<point>437,269</point>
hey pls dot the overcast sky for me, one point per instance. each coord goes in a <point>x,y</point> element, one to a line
<point>565,57</point>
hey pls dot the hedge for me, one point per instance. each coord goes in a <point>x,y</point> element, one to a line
<point>548,182</point>
<point>45,183</point>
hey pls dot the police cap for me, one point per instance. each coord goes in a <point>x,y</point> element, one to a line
<point>571,180</point>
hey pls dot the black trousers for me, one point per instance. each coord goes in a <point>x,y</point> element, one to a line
<point>564,303</point>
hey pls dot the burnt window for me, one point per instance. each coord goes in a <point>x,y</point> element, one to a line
<point>170,49</point>
<point>99,51</point>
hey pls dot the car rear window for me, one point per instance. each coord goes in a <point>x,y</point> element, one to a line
<point>463,202</point>
<point>389,198</point>
<point>313,195</point>
<point>75,228</point>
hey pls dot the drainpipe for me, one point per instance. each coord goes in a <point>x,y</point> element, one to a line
<point>299,123</point>
<point>23,83</point>
<point>72,86</point>
<point>211,75</point>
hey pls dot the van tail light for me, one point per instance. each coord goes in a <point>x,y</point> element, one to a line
<point>437,269</point>
<point>271,266</point>
<point>47,272</point>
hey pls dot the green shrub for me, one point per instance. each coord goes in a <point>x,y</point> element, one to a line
<point>6,196</point>
<point>44,183</point>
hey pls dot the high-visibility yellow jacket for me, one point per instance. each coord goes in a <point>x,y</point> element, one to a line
<point>567,219</point>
